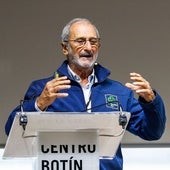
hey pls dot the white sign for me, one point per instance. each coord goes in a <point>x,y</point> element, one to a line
<point>75,150</point>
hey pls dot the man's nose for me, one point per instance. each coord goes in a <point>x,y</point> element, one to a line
<point>88,45</point>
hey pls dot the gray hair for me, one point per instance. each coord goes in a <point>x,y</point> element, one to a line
<point>66,29</point>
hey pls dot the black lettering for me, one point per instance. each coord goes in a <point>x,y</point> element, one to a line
<point>70,163</point>
<point>53,147</point>
<point>64,163</point>
<point>43,149</point>
<point>78,165</point>
<point>82,148</point>
<point>54,165</point>
<point>45,165</point>
<point>64,147</point>
<point>73,148</point>
<point>91,148</point>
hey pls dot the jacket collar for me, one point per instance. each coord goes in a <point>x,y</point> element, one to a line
<point>101,72</point>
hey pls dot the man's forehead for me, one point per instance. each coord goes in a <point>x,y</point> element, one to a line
<point>82,29</point>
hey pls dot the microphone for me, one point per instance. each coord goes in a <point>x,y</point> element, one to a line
<point>23,120</point>
<point>122,118</point>
<point>23,117</point>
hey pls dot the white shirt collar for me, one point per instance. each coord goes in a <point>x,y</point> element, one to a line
<point>91,78</point>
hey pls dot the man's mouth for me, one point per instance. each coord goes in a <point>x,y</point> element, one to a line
<point>86,54</point>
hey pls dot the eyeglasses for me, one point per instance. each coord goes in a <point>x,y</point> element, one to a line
<point>82,41</point>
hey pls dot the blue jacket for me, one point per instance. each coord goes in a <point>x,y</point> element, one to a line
<point>147,119</point>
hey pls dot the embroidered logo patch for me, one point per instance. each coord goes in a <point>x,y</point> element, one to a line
<point>111,101</point>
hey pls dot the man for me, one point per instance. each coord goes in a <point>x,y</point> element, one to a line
<point>80,84</point>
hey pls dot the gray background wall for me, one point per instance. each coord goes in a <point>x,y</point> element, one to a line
<point>135,37</point>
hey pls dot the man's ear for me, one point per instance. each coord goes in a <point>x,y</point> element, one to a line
<point>64,48</point>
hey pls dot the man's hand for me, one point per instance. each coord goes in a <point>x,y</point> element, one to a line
<point>51,91</point>
<point>141,87</point>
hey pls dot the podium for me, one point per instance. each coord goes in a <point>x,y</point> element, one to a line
<point>70,139</point>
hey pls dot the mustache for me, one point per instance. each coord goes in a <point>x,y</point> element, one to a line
<point>86,54</point>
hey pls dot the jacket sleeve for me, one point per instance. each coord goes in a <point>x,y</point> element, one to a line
<point>147,120</point>
<point>33,91</point>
